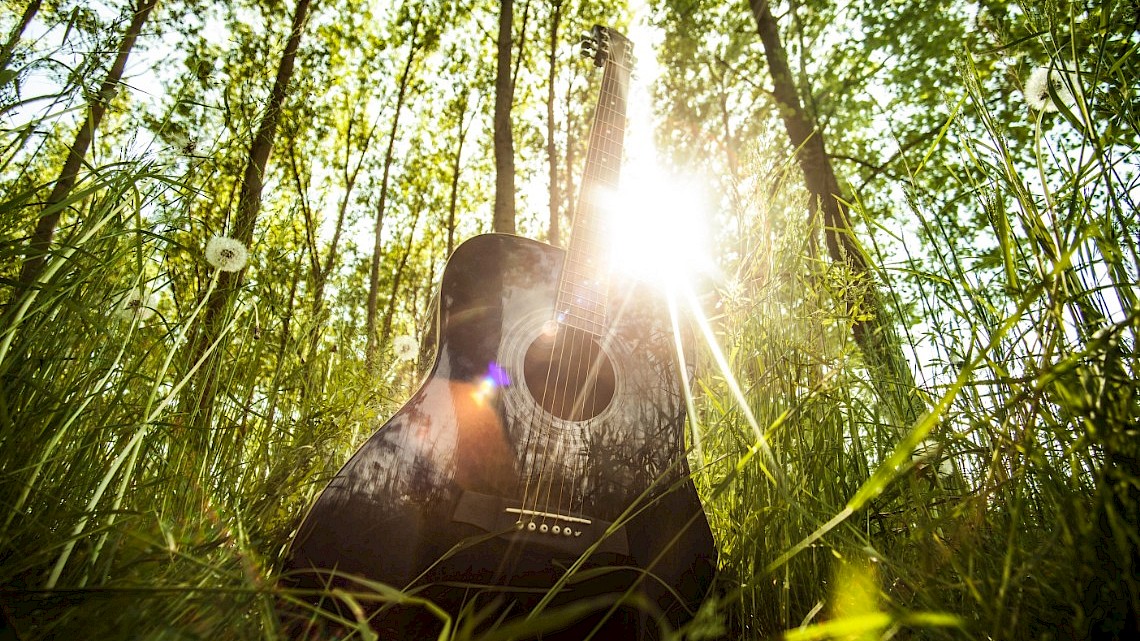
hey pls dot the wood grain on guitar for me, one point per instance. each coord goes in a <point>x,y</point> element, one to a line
<point>540,465</point>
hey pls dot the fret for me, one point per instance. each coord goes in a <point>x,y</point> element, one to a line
<point>595,286</point>
<point>591,249</point>
<point>569,311</point>
<point>595,326</point>
<point>583,306</point>
<point>579,272</point>
<point>585,297</point>
<point>593,280</point>
<point>596,314</point>
<point>583,291</point>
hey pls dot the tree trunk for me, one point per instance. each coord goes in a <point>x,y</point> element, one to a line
<point>249,200</point>
<point>41,238</point>
<point>554,234</point>
<point>504,220</point>
<point>876,337</point>
<point>249,205</point>
<point>568,165</point>
<point>320,272</point>
<point>374,273</point>
<point>18,31</point>
<point>453,197</point>
<point>521,45</point>
<point>398,276</point>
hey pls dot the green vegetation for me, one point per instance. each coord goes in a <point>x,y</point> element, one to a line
<point>967,468</point>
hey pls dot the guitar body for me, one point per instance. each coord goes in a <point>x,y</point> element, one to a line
<point>530,445</point>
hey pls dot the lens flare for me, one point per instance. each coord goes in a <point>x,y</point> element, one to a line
<point>485,389</point>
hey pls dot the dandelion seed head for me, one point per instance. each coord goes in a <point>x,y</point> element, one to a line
<point>1037,94</point>
<point>226,254</point>
<point>404,347</point>
<point>1037,90</point>
<point>135,304</point>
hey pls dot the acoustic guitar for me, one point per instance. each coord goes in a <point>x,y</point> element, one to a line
<point>538,476</point>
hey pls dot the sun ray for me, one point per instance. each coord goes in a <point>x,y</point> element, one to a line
<point>770,467</point>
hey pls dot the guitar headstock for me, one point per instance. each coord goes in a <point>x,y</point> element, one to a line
<point>604,45</point>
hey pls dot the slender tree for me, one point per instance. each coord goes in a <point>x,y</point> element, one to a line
<point>320,270</point>
<point>415,43</point>
<point>17,31</point>
<point>249,203</point>
<point>554,234</point>
<point>462,126</point>
<point>874,333</point>
<point>398,273</point>
<point>40,241</point>
<point>568,165</point>
<point>504,218</point>
<point>520,55</point>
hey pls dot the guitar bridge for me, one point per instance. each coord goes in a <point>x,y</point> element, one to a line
<point>572,533</point>
<point>527,520</point>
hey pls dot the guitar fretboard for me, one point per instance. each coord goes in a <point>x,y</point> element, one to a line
<point>582,290</point>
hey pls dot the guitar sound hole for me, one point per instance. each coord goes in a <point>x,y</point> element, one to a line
<point>569,374</point>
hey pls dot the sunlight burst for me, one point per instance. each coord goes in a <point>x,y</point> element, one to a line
<point>659,228</point>
<point>658,219</point>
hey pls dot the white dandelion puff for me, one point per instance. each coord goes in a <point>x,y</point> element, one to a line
<point>226,254</point>
<point>405,348</point>
<point>136,303</point>
<point>1037,93</point>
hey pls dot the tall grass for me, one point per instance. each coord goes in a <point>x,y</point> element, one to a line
<point>1009,511</point>
<point>122,519</point>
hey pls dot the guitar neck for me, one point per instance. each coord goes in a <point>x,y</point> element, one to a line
<point>582,292</point>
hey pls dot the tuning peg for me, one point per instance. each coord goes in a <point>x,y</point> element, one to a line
<point>589,47</point>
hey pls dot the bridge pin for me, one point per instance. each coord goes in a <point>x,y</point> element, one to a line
<point>531,526</point>
<point>556,529</point>
<point>542,528</point>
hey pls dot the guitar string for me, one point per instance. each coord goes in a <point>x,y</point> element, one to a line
<point>613,121</point>
<point>549,389</point>
<point>551,434</point>
<point>536,422</point>
<point>584,242</point>
<point>573,397</point>
<point>565,303</point>
<point>547,415</point>
<point>586,367</point>
<point>581,409</point>
<point>588,391</point>
<point>586,400</point>
<point>577,344</point>
<point>553,366</point>
<point>566,367</point>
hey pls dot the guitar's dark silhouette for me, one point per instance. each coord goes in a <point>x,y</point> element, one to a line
<point>547,436</point>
